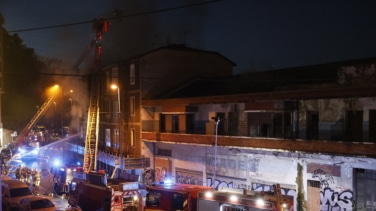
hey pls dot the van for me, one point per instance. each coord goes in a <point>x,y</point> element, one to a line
<point>12,192</point>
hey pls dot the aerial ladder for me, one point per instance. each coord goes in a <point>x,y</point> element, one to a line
<point>92,128</point>
<point>91,143</point>
<point>42,110</point>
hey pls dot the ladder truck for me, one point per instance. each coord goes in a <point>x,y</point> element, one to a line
<point>231,199</point>
<point>42,110</point>
<point>91,143</point>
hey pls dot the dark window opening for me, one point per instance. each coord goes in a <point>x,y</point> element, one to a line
<point>312,125</point>
<point>354,125</point>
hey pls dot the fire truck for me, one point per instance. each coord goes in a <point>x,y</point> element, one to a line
<point>229,199</point>
<point>94,191</point>
<point>173,197</point>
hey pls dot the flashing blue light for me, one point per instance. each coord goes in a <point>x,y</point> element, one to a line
<point>56,163</point>
<point>78,164</point>
<point>167,182</point>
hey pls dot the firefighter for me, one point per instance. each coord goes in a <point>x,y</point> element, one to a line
<point>34,174</point>
<point>23,174</point>
<point>37,178</point>
<point>28,174</point>
<point>18,173</point>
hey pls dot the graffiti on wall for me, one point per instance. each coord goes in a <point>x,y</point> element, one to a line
<point>323,177</point>
<point>186,176</point>
<point>148,176</point>
<point>243,185</point>
<point>332,200</point>
<point>329,198</point>
<point>266,188</point>
<point>231,166</point>
<point>225,183</point>
<point>162,169</point>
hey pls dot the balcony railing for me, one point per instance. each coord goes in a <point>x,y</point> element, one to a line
<point>334,131</point>
<point>279,144</point>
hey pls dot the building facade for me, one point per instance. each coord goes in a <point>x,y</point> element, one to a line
<point>315,138</point>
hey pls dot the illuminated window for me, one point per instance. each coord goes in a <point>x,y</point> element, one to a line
<point>132,137</point>
<point>132,74</point>
<point>133,106</point>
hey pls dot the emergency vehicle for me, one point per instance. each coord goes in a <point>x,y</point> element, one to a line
<point>174,197</point>
<point>94,191</point>
<point>230,199</point>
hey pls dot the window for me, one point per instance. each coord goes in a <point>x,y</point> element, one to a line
<point>115,109</point>
<point>354,125</point>
<point>364,188</point>
<point>40,204</point>
<point>372,125</point>
<point>179,201</point>
<point>17,192</point>
<point>108,137</point>
<point>132,74</point>
<point>112,77</point>
<point>312,125</point>
<point>133,106</point>
<point>152,199</point>
<point>116,141</point>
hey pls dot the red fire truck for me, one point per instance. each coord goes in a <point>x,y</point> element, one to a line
<point>173,197</point>
<point>93,192</point>
<point>244,200</point>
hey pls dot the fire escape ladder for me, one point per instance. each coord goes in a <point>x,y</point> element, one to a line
<point>34,120</point>
<point>91,143</point>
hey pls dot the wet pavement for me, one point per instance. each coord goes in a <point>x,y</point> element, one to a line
<point>43,159</point>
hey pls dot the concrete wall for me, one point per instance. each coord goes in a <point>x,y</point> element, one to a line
<point>260,169</point>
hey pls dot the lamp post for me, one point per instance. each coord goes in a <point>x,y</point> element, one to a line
<point>54,119</point>
<point>114,86</point>
<point>217,120</point>
<point>62,112</point>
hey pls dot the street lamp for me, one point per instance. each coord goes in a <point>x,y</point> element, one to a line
<point>114,86</point>
<point>217,120</point>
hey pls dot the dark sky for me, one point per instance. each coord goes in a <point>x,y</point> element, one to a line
<point>256,35</point>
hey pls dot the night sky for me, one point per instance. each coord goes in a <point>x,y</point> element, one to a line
<point>256,35</point>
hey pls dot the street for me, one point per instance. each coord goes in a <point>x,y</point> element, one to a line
<point>50,161</point>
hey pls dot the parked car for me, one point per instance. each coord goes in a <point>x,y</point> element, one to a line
<point>36,203</point>
<point>13,191</point>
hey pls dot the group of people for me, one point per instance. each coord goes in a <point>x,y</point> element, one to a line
<point>27,175</point>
